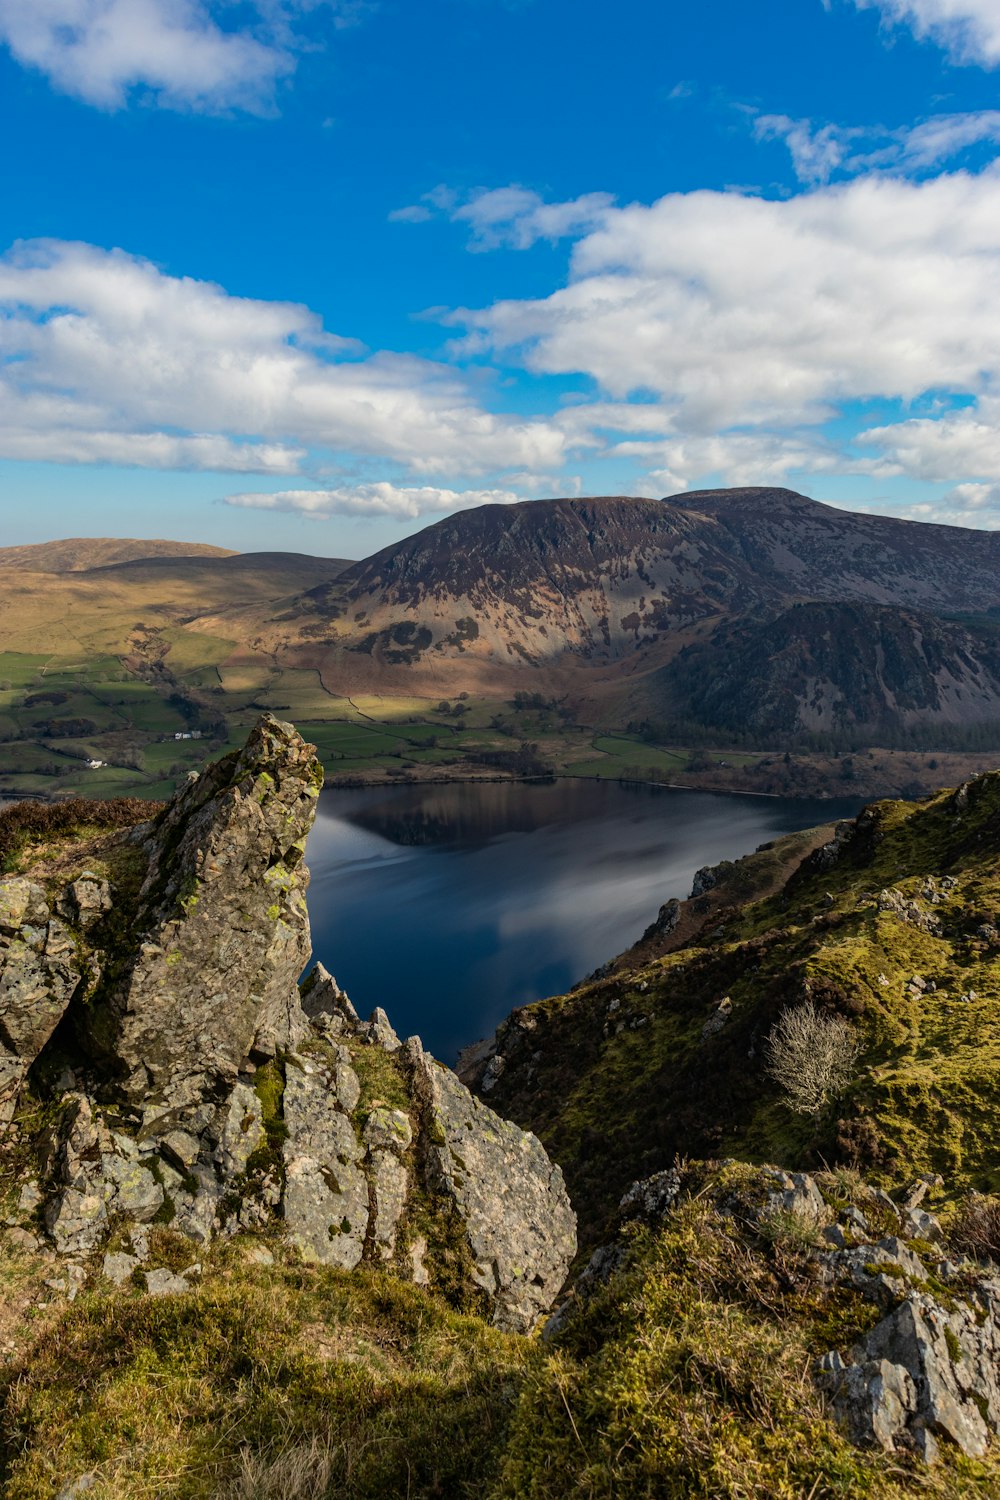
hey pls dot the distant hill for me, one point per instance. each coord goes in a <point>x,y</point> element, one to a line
<point>262,574</point>
<point>78,554</point>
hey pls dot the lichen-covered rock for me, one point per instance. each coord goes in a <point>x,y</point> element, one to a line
<point>517,1219</point>
<point>926,1370</point>
<point>222,931</point>
<point>95,1183</point>
<point>40,971</point>
<point>326,1004</point>
<point>86,900</point>
<point>325,1202</point>
<point>390,1183</point>
<point>793,1193</point>
<point>241,1131</point>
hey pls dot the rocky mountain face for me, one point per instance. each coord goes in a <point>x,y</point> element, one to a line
<point>696,604</point>
<point>150,1017</point>
<point>860,670</point>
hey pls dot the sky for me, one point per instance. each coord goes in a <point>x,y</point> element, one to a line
<point>310,274</point>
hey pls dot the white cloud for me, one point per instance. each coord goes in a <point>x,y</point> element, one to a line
<point>145,450</point>
<point>973,496</point>
<point>969,30</point>
<point>938,449</point>
<point>817,152</point>
<point>975,505</point>
<point>821,152</point>
<point>733,310</point>
<point>174,50</point>
<point>382,499</point>
<point>101,351</point>
<point>743,458</point>
<point>516,218</point>
<point>512,218</point>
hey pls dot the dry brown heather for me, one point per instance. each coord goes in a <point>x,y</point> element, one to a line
<point>24,824</point>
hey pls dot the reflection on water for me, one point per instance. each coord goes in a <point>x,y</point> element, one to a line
<point>450,905</point>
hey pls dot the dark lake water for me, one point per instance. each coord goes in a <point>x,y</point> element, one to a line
<point>450,905</point>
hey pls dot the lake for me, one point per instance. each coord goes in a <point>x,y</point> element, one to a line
<point>450,905</point>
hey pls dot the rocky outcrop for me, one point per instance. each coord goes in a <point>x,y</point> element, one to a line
<point>927,1368</point>
<point>926,1372</point>
<point>222,931</point>
<point>930,1368</point>
<point>193,1084</point>
<point>326,1191</point>
<point>519,1226</point>
<point>41,969</point>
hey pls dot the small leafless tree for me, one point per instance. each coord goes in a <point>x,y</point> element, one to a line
<point>811,1054</point>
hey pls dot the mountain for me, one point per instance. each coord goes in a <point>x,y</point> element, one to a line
<point>604,595</point>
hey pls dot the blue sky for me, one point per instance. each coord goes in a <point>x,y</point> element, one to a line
<point>309,274</point>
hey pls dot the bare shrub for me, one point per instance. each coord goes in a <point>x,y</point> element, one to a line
<point>303,1472</point>
<point>975,1230</point>
<point>811,1054</point>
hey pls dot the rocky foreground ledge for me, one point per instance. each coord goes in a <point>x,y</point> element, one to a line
<point>159,1065</point>
<point>916,1368</point>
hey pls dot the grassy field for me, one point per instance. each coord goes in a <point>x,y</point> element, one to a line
<point>60,710</point>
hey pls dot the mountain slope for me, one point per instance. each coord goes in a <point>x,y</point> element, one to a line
<point>817,551</point>
<point>602,591</point>
<point>893,926</point>
<point>839,668</point>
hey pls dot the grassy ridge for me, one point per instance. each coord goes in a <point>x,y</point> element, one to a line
<point>685,1375</point>
<point>620,1075</point>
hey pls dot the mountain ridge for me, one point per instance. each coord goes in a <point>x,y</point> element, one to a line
<point>755,620</point>
<point>606,592</point>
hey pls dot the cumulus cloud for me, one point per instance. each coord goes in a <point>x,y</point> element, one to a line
<point>742,458</point>
<point>969,30</point>
<point>976,505</point>
<point>736,311</point>
<point>102,353</point>
<point>517,218</point>
<point>381,499</point>
<point>512,218</point>
<point>820,152</point>
<point>173,50</point>
<point>939,448</point>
